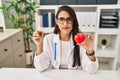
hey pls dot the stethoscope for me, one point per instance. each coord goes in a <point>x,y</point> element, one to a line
<point>55,44</point>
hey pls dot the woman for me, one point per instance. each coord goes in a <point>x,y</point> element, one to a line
<point>59,50</point>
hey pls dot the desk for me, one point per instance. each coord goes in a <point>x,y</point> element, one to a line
<point>29,74</point>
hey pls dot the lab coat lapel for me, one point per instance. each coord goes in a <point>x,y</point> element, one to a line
<point>56,40</point>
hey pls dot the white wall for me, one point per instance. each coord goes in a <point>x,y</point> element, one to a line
<point>118,1</point>
<point>8,24</point>
<point>2,22</point>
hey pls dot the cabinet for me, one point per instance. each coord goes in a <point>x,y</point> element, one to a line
<point>76,2</point>
<point>86,2</point>
<point>62,2</point>
<point>48,2</point>
<point>12,48</point>
<point>107,1</point>
<point>90,23</point>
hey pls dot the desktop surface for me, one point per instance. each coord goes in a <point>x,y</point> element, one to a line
<point>53,74</point>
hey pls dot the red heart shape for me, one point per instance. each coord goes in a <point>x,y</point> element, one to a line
<point>79,38</point>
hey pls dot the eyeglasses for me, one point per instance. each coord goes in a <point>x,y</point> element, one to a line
<point>61,20</point>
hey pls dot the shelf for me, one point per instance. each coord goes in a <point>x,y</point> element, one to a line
<point>112,40</point>
<point>47,30</point>
<point>109,7</point>
<point>42,7</point>
<point>106,63</point>
<point>110,31</point>
<point>104,66</point>
<point>84,9</point>
<point>89,17</point>
<point>45,18</point>
<point>88,29</point>
<point>106,53</point>
<point>89,6</point>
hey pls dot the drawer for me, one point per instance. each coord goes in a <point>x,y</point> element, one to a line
<point>8,62</point>
<point>17,40</point>
<point>5,48</point>
<point>22,64</point>
<point>19,56</point>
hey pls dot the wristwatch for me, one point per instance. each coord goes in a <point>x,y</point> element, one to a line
<point>90,54</point>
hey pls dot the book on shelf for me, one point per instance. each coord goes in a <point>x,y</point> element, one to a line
<point>86,19</point>
<point>45,20</point>
<point>52,20</point>
<point>48,20</point>
<point>109,17</point>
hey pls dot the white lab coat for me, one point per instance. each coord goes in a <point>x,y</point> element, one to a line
<point>46,59</point>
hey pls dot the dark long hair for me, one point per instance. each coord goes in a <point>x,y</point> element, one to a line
<point>75,30</point>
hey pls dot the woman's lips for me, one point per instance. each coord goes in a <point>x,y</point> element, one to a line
<point>66,28</point>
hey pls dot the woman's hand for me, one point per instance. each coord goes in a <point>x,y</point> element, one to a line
<point>38,37</point>
<point>38,40</point>
<point>88,44</point>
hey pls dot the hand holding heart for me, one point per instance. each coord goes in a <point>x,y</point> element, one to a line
<point>85,40</point>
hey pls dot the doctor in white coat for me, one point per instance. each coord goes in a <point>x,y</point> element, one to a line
<point>59,50</point>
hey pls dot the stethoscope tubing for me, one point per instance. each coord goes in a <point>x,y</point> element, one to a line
<point>55,44</point>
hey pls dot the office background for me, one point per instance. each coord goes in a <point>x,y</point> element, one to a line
<point>75,2</point>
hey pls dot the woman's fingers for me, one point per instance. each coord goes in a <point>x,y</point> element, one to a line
<point>35,34</point>
<point>38,33</point>
<point>36,38</point>
<point>88,36</point>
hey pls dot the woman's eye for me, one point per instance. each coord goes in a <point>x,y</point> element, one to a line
<point>62,19</point>
<point>68,19</point>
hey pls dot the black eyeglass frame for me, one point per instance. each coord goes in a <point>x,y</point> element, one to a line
<point>69,20</point>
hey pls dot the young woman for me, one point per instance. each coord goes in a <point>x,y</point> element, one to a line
<point>59,50</point>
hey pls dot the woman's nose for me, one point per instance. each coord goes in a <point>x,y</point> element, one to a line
<point>65,23</point>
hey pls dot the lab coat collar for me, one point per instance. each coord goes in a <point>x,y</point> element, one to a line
<point>56,39</point>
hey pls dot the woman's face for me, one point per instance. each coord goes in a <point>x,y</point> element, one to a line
<point>64,22</point>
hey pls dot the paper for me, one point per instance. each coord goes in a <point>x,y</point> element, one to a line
<point>109,17</point>
<point>108,21</point>
<point>39,76</point>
